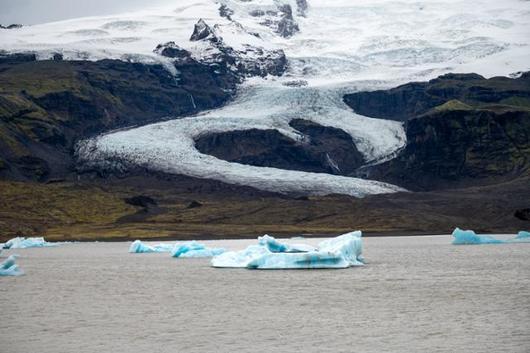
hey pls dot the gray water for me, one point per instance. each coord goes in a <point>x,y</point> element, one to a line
<point>414,295</point>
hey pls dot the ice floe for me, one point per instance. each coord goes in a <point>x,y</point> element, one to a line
<point>523,235</point>
<point>24,243</point>
<point>340,252</point>
<point>186,250</point>
<point>138,247</point>
<point>195,249</point>
<point>275,246</point>
<point>10,268</point>
<point>469,237</point>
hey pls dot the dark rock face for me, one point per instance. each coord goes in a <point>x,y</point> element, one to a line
<point>287,26</point>
<point>325,149</point>
<point>252,61</point>
<point>458,147</point>
<point>462,129</point>
<point>202,31</point>
<point>413,99</point>
<point>226,12</point>
<point>12,26</point>
<point>194,204</point>
<point>523,214</point>
<point>281,20</point>
<point>47,106</point>
<point>141,201</point>
<point>301,7</point>
<point>172,50</point>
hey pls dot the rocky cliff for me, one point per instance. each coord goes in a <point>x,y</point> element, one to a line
<point>461,130</point>
<point>46,106</point>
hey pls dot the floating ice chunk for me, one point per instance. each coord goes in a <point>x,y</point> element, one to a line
<point>195,249</point>
<point>207,252</point>
<point>340,252</point>
<point>240,258</point>
<point>24,243</point>
<point>275,246</point>
<point>10,268</point>
<point>464,237</point>
<point>137,247</point>
<point>523,235</point>
<point>188,249</point>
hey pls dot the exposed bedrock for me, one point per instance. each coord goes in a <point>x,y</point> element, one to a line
<point>47,106</point>
<point>416,98</point>
<point>324,149</point>
<point>461,130</point>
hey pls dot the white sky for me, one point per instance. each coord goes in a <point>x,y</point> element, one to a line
<point>41,11</point>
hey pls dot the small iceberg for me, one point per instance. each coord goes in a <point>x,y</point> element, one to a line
<point>469,237</point>
<point>465,237</point>
<point>188,249</point>
<point>24,243</point>
<point>195,249</point>
<point>341,252</point>
<point>10,268</point>
<point>523,235</point>
<point>275,246</point>
<point>137,247</point>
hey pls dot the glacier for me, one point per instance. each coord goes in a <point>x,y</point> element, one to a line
<point>341,252</point>
<point>183,250</point>
<point>24,243</point>
<point>9,268</point>
<point>341,47</point>
<point>469,237</point>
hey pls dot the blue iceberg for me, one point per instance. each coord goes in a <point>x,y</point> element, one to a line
<point>195,249</point>
<point>137,247</point>
<point>466,237</point>
<point>10,268</point>
<point>188,249</point>
<point>523,235</point>
<point>469,237</point>
<point>24,243</point>
<point>275,246</point>
<point>340,252</point>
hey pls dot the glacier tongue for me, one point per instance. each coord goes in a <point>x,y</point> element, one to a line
<point>332,48</point>
<point>340,252</point>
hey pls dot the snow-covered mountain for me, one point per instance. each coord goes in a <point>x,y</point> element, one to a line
<point>297,60</point>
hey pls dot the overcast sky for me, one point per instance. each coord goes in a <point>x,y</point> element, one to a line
<point>41,11</point>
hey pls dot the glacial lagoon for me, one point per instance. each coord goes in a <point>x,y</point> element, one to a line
<point>414,294</point>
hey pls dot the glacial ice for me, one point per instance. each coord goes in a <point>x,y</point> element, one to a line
<point>462,237</point>
<point>340,252</point>
<point>138,247</point>
<point>195,249</point>
<point>24,243</point>
<point>275,246</point>
<point>10,268</point>
<point>523,235</point>
<point>390,43</point>
<point>185,250</point>
<point>469,237</point>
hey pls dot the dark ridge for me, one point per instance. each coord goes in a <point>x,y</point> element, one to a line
<point>325,149</point>
<point>47,106</point>
<point>413,99</point>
